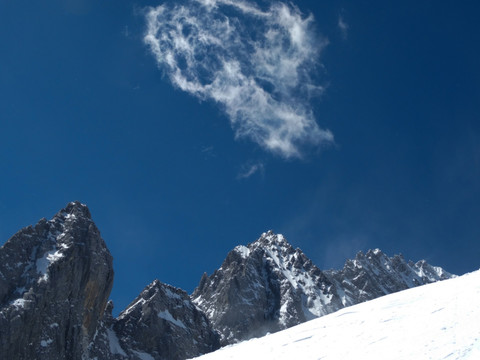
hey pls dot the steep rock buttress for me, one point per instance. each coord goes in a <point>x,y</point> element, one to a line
<point>55,280</point>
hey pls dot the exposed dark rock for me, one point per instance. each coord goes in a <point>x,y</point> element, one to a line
<point>264,287</point>
<point>374,274</point>
<point>55,279</point>
<point>164,323</point>
<point>268,286</point>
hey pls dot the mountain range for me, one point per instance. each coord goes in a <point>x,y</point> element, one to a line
<point>435,321</point>
<point>56,278</point>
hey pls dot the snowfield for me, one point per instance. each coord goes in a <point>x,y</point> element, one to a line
<point>435,321</point>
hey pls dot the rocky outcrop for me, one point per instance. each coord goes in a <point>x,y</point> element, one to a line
<point>160,324</point>
<point>165,324</point>
<point>264,287</point>
<point>374,274</point>
<point>55,279</point>
<point>269,286</point>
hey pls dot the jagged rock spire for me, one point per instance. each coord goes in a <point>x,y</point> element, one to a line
<point>55,279</point>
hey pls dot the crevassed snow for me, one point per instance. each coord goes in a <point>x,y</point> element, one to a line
<point>114,343</point>
<point>435,321</point>
<point>165,314</point>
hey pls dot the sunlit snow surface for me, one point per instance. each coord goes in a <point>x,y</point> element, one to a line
<point>436,321</point>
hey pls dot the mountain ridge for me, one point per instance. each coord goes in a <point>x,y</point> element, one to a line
<point>268,286</point>
<point>56,277</point>
<point>435,321</point>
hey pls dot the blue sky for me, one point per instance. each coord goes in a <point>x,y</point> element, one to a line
<point>363,133</point>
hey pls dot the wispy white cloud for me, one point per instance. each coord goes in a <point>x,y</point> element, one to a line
<point>208,152</point>
<point>251,169</point>
<point>258,64</point>
<point>343,26</point>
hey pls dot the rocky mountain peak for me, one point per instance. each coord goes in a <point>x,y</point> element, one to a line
<point>152,296</point>
<point>74,209</point>
<point>262,287</point>
<point>176,328</point>
<point>374,253</point>
<point>55,279</point>
<point>270,237</point>
<point>56,276</point>
<point>374,274</point>
<point>268,285</point>
<point>270,240</point>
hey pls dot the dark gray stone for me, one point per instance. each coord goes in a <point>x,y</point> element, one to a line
<point>374,274</point>
<point>269,286</point>
<point>55,279</point>
<point>264,287</point>
<point>164,323</point>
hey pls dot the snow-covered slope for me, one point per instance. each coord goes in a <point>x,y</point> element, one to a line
<point>435,321</point>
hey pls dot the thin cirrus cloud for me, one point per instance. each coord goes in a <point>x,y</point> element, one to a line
<point>343,26</point>
<point>249,170</point>
<point>257,64</point>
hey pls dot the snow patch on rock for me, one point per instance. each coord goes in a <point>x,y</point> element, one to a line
<point>114,343</point>
<point>165,314</point>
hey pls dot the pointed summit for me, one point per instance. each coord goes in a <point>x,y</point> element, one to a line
<point>163,322</point>
<point>270,238</point>
<point>267,286</point>
<point>74,209</point>
<point>57,272</point>
<point>274,244</point>
<point>263,287</point>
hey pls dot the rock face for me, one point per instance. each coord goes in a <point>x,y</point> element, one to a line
<point>55,279</point>
<point>264,287</point>
<point>374,274</point>
<point>163,322</point>
<point>268,286</point>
